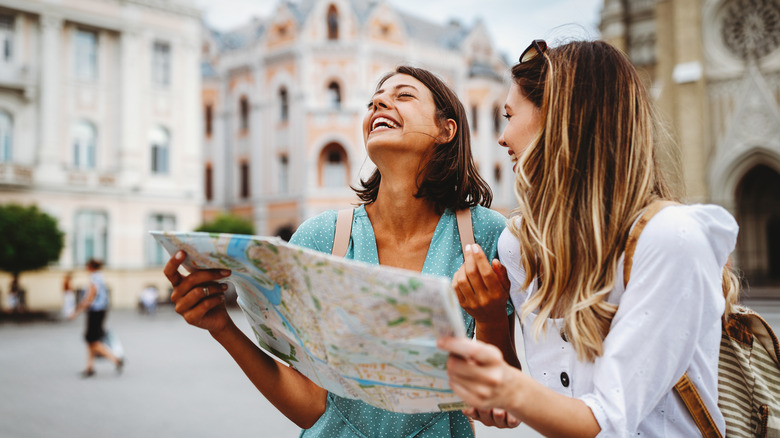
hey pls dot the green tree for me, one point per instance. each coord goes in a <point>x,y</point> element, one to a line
<point>29,239</point>
<point>226,223</point>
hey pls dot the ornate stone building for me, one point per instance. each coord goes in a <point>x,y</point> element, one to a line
<point>714,67</point>
<point>284,97</point>
<point>99,117</point>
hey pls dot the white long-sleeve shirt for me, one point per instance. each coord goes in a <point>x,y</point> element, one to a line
<point>668,322</point>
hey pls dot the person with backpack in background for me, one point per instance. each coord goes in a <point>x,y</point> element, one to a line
<point>95,303</point>
<point>603,354</point>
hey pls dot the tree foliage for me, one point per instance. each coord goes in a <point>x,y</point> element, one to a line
<point>226,223</point>
<point>29,239</point>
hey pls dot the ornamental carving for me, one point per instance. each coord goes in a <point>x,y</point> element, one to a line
<point>751,28</point>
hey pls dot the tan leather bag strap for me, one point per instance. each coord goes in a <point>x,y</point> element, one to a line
<point>343,231</point>
<point>684,387</point>
<point>465,228</point>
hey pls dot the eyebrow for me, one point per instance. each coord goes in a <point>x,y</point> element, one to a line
<point>396,88</point>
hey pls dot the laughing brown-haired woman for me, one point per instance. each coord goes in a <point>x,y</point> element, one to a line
<point>416,132</point>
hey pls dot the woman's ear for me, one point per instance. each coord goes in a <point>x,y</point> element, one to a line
<point>449,130</point>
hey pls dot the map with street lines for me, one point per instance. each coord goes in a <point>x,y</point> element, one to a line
<point>358,330</point>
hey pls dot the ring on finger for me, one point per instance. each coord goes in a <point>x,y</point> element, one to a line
<point>206,291</point>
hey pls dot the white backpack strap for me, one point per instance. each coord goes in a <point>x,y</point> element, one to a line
<point>465,228</point>
<point>343,231</point>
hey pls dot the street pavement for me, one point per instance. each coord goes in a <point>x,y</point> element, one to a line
<point>177,382</point>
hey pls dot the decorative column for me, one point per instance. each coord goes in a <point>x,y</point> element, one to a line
<point>132,135</point>
<point>52,139</point>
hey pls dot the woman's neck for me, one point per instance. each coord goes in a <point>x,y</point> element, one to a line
<point>396,208</point>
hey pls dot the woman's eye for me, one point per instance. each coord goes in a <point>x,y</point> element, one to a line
<point>507,116</point>
<point>370,105</point>
<point>405,95</point>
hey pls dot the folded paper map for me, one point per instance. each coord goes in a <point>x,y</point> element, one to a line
<point>358,330</point>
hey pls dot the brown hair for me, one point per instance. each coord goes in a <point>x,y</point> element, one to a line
<point>449,178</point>
<point>94,264</point>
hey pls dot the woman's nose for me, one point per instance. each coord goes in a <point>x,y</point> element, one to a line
<point>381,102</point>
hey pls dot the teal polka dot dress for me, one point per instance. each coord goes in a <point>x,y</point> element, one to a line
<point>353,418</point>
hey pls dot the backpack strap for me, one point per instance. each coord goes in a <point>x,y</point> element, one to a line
<point>684,387</point>
<point>343,231</point>
<point>465,228</point>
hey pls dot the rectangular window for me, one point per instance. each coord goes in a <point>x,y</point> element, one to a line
<point>86,55</point>
<point>244,172</point>
<point>90,238</point>
<point>208,181</point>
<point>6,137</point>
<point>161,64</point>
<point>208,114</point>
<point>156,255</point>
<point>84,145</point>
<point>159,158</point>
<point>6,37</point>
<point>474,118</point>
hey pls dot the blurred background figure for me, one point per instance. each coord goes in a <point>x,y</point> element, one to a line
<point>68,296</point>
<point>147,302</point>
<point>96,303</point>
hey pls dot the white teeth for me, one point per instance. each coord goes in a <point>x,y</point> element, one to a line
<point>384,120</point>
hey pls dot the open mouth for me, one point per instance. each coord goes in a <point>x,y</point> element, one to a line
<point>383,123</point>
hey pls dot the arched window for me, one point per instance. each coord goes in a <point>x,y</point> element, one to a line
<point>243,109</point>
<point>758,210</point>
<point>333,23</point>
<point>84,145</point>
<point>334,95</point>
<point>6,137</point>
<point>160,143</point>
<point>497,119</point>
<point>333,166</point>
<point>284,105</point>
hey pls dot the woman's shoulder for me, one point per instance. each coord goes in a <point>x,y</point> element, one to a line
<point>317,232</point>
<point>487,219</point>
<point>690,229</point>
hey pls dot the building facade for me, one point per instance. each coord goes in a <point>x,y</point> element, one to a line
<point>284,98</point>
<point>714,67</point>
<point>99,127</point>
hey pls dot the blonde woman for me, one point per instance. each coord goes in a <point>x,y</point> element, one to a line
<point>602,356</point>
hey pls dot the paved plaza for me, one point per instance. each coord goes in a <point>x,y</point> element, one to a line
<point>177,383</point>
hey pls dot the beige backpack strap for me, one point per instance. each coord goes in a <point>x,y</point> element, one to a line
<point>465,228</point>
<point>343,231</point>
<point>684,387</point>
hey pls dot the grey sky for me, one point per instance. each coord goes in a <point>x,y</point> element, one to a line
<point>511,23</point>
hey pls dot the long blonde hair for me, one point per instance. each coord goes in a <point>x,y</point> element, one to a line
<point>580,187</point>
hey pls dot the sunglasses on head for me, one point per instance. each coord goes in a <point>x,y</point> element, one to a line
<point>537,47</point>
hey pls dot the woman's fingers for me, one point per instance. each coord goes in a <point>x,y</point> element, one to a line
<point>171,269</point>
<point>197,294</point>
<point>194,315</point>
<point>468,350</point>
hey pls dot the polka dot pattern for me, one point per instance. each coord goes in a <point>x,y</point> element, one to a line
<point>353,418</point>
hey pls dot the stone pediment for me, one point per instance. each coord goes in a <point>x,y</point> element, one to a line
<point>756,116</point>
